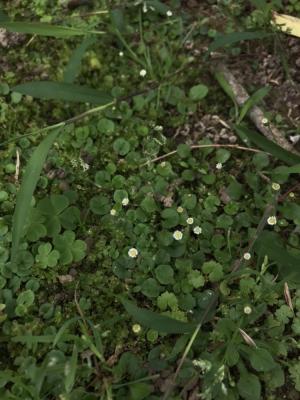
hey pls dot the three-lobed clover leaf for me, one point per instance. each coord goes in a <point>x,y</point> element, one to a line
<point>214,270</point>
<point>58,213</point>
<point>47,257</point>
<point>69,248</point>
<point>167,299</point>
<point>196,279</point>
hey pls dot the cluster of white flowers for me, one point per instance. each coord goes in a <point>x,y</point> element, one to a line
<point>84,165</point>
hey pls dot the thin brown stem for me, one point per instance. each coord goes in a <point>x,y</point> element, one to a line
<point>203,146</point>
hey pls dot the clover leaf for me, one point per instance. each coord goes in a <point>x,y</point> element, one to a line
<point>164,274</point>
<point>196,279</point>
<point>69,248</point>
<point>214,270</point>
<point>47,257</point>
<point>58,214</point>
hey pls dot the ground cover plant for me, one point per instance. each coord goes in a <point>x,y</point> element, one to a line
<point>149,231</point>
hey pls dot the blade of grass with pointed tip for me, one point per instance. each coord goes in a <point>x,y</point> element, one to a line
<point>252,101</point>
<point>158,322</point>
<point>25,193</point>
<point>70,371</point>
<point>74,64</point>
<point>268,146</point>
<point>227,89</point>
<point>269,244</point>
<point>63,91</point>
<point>63,329</point>
<point>222,40</point>
<point>42,29</point>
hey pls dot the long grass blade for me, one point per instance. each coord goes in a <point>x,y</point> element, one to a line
<point>43,29</point>
<point>268,146</point>
<point>160,323</point>
<point>70,370</point>
<point>24,196</point>
<point>222,40</point>
<point>74,64</point>
<point>63,91</point>
<point>252,101</point>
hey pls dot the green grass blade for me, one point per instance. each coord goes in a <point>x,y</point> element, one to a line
<point>222,40</point>
<point>24,196</point>
<point>252,101</point>
<point>3,16</point>
<point>43,29</point>
<point>268,146</point>
<point>63,91</point>
<point>62,330</point>
<point>74,64</point>
<point>269,244</point>
<point>156,321</point>
<point>70,370</point>
<point>227,89</point>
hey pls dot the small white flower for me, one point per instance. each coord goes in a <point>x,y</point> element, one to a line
<point>125,201</point>
<point>292,195</point>
<point>180,210</point>
<point>247,310</point>
<point>169,13</point>
<point>272,220</point>
<point>163,164</point>
<point>133,252</point>
<point>158,128</point>
<point>145,9</point>
<point>143,73</point>
<point>177,235</point>
<point>121,54</point>
<point>219,165</point>
<point>190,221</point>
<point>247,256</point>
<point>275,186</point>
<point>265,121</point>
<point>197,230</point>
<point>113,211</point>
<point>136,328</point>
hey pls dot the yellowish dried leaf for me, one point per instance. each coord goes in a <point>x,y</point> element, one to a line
<point>287,23</point>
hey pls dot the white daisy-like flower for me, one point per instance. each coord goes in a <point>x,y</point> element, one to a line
<point>247,310</point>
<point>177,235</point>
<point>219,165</point>
<point>292,195</point>
<point>125,201</point>
<point>265,121</point>
<point>133,252</point>
<point>272,220</point>
<point>180,210</point>
<point>197,230</point>
<point>275,186</point>
<point>136,328</point>
<point>113,211</point>
<point>143,73</point>
<point>190,221</point>
<point>247,256</point>
<point>121,54</point>
<point>169,13</point>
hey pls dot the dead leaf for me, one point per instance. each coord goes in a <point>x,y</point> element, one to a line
<point>287,23</point>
